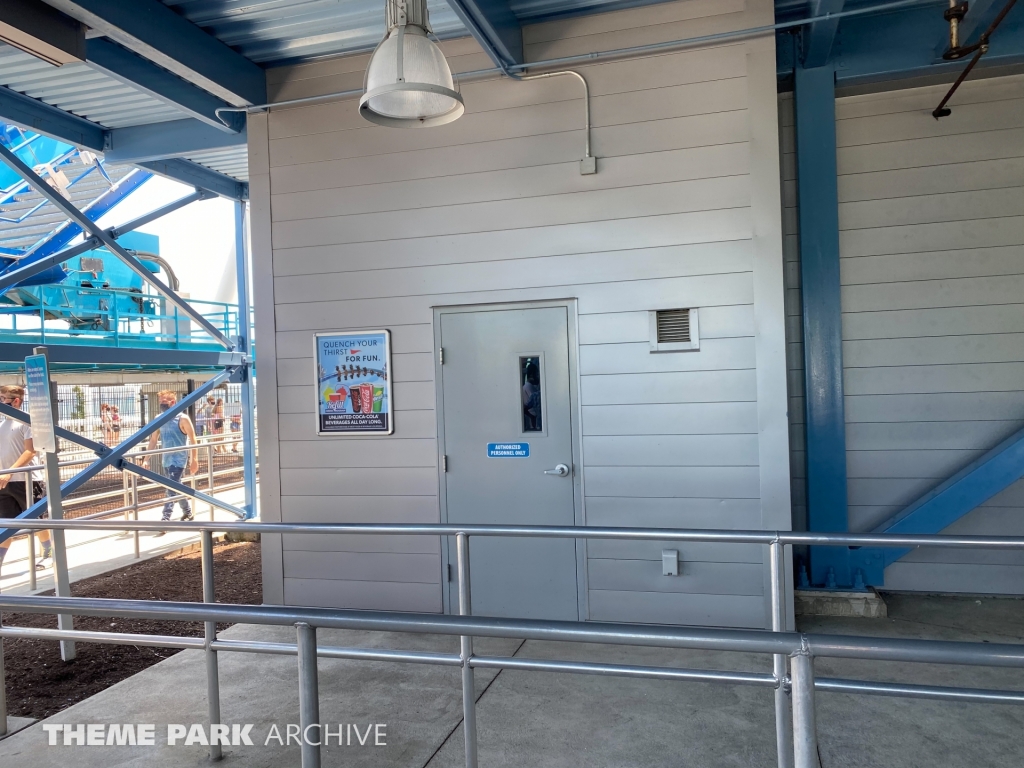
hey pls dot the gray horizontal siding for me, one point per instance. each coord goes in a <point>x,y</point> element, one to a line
<point>373,228</point>
<point>645,576</point>
<point>674,608</point>
<point>933,315</point>
<point>794,320</point>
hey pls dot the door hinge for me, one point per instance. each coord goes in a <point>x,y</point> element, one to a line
<point>448,569</point>
<point>444,463</point>
<point>440,355</point>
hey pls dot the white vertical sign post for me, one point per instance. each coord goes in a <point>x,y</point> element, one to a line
<point>41,408</point>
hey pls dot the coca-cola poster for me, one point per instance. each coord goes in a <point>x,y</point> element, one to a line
<point>353,382</point>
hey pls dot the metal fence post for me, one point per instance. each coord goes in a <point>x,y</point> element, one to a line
<point>466,652</point>
<point>212,672</point>
<point>805,736</point>
<point>3,690</point>
<point>209,471</point>
<point>135,510</point>
<point>31,536</point>
<point>309,695</point>
<point>783,704</point>
<point>62,583</point>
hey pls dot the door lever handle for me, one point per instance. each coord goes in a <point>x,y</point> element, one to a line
<point>559,471</point>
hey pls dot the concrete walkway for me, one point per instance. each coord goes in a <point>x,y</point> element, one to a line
<point>554,720</point>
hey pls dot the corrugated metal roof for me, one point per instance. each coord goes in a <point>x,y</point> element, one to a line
<point>282,30</point>
<point>233,161</point>
<point>81,90</point>
<point>272,31</point>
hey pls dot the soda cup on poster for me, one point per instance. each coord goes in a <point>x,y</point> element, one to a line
<point>338,398</point>
<point>378,398</point>
<point>366,397</point>
<point>355,391</point>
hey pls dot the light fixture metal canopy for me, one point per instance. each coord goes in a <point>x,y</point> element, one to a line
<point>408,83</point>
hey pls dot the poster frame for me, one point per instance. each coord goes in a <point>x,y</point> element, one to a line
<point>387,382</point>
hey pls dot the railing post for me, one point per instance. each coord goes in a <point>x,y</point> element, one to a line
<point>31,536</point>
<point>309,695</point>
<point>209,472</point>
<point>135,510</point>
<point>805,736</point>
<point>212,672</point>
<point>3,690</point>
<point>125,495</point>
<point>466,652</point>
<point>783,704</point>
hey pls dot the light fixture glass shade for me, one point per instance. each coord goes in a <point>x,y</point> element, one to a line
<point>425,93</point>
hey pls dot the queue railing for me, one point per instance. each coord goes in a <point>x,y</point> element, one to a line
<point>793,653</point>
<point>131,499</point>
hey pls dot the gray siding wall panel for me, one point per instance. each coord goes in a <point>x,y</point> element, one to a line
<point>933,324</point>
<point>493,209</point>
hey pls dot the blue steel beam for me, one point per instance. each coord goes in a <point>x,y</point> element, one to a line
<point>34,115</point>
<point>822,319</point>
<point>947,502</point>
<point>112,245</point>
<point>176,138</point>
<point>196,175</point>
<point>174,485</point>
<point>115,456</point>
<point>819,36</point>
<point>157,33</point>
<point>13,413</point>
<point>143,75</point>
<point>979,15</point>
<point>74,354</point>
<point>21,110</point>
<point>902,44</point>
<point>494,26</point>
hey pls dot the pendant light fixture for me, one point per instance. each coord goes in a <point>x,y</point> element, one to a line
<point>408,83</point>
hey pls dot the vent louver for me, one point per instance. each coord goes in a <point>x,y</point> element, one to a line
<point>673,326</point>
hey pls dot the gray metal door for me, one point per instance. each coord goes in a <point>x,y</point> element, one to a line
<point>507,439</point>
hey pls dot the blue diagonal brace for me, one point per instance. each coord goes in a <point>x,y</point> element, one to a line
<point>115,455</point>
<point>180,487</point>
<point>87,224</point>
<point>17,274</point>
<point>947,502</point>
<point>13,413</point>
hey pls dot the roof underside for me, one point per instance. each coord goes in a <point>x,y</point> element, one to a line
<point>157,71</point>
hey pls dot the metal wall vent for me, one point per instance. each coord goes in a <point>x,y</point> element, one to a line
<point>674,330</point>
<point>673,325</point>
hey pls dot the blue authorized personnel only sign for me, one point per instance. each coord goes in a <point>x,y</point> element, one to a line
<point>508,450</point>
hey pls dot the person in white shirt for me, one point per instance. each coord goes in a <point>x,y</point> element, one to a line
<point>16,450</point>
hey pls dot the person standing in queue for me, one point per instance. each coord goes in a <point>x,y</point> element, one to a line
<point>176,433</point>
<point>16,450</point>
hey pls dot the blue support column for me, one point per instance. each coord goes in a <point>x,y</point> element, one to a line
<point>249,370</point>
<point>822,317</point>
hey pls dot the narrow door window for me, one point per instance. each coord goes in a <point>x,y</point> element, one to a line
<point>529,381</point>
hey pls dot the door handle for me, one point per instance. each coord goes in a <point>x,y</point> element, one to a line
<point>559,471</point>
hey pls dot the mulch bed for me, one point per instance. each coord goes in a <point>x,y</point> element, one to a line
<point>39,684</point>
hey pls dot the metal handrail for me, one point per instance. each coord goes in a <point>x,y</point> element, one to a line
<point>702,535</point>
<point>792,677</point>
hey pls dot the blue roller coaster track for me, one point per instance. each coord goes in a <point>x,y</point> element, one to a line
<point>91,299</point>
